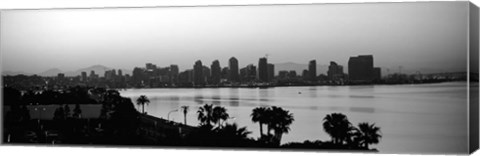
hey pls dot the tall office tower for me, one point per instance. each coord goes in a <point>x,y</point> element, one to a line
<point>377,73</point>
<point>198,76</point>
<point>206,74</point>
<point>335,71</point>
<point>263,69</point>
<point>84,76</point>
<point>174,73</point>
<point>360,68</point>
<point>312,70</point>
<point>216,72</point>
<point>233,73</point>
<point>271,72</point>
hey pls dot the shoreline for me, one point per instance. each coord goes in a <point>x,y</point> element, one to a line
<point>283,86</point>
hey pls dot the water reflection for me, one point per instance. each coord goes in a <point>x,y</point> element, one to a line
<point>234,97</point>
<point>313,92</point>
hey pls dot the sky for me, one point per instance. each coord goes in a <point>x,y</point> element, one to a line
<point>426,36</point>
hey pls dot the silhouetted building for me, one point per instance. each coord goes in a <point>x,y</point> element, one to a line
<point>377,73</point>
<point>263,69</point>
<point>84,76</point>
<point>283,74</point>
<point>120,72</point>
<point>292,74</point>
<point>305,75</point>
<point>174,73</point>
<point>225,74</point>
<point>312,70</point>
<point>206,74</point>
<point>93,76</point>
<point>335,72</point>
<point>150,66</point>
<point>360,68</point>
<point>198,76</point>
<point>248,74</point>
<point>271,72</point>
<point>216,72</point>
<point>60,76</point>
<point>233,66</point>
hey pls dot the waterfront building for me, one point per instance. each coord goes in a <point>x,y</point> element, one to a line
<point>216,72</point>
<point>263,69</point>
<point>233,73</point>
<point>335,72</point>
<point>270,72</point>
<point>377,73</point>
<point>198,76</point>
<point>312,70</point>
<point>84,76</point>
<point>360,68</point>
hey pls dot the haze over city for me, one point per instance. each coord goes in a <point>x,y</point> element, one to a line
<point>416,36</point>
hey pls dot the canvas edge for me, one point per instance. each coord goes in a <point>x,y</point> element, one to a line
<point>473,41</point>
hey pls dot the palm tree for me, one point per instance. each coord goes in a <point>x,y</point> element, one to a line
<point>231,131</point>
<point>280,121</point>
<point>205,115</point>
<point>219,114</point>
<point>185,111</point>
<point>259,115</point>
<point>368,134</point>
<point>337,126</point>
<point>142,100</point>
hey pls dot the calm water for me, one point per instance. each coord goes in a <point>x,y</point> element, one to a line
<point>426,118</point>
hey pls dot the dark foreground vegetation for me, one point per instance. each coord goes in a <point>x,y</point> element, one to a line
<point>119,123</point>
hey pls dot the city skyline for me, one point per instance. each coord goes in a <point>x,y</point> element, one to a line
<point>407,35</point>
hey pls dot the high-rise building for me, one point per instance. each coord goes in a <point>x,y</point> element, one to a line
<point>312,70</point>
<point>61,76</point>
<point>198,76</point>
<point>263,69</point>
<point>216,72</point>
<point>206,74</point>
<point>377,73</point>
<point>150,66</point>
<point>225,72</point>
<point>174,73</point>
<point>120,72</point>
<point>271,72</point>
<point>233,65</point>
<point>248,74</point>
<point>84,76</point>
<point>305,74</point>
<point>335,71</point>
<point>283,74</point>
<point>292,74</point>
<point>360,68</point>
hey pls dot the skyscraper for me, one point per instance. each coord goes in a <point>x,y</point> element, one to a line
<point>248,74</point>
<point>377,73</point>
<point>84,76</point>
<point>233,65</point>
<point>174,73</point>
<point>198,77</point>
<point>271,72</point>
<point>312,70</point>
<point>216,72</point>
<point>335,71</point>
<point>120,72</point>
<point>360,68</point>
<point>263,69</point>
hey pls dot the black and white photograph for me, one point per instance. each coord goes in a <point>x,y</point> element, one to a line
<point>387,78</point>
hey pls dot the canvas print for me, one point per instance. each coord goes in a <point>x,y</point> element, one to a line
<point>369,77</point>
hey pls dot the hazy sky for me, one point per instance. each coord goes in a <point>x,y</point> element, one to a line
<point>417,36</point>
